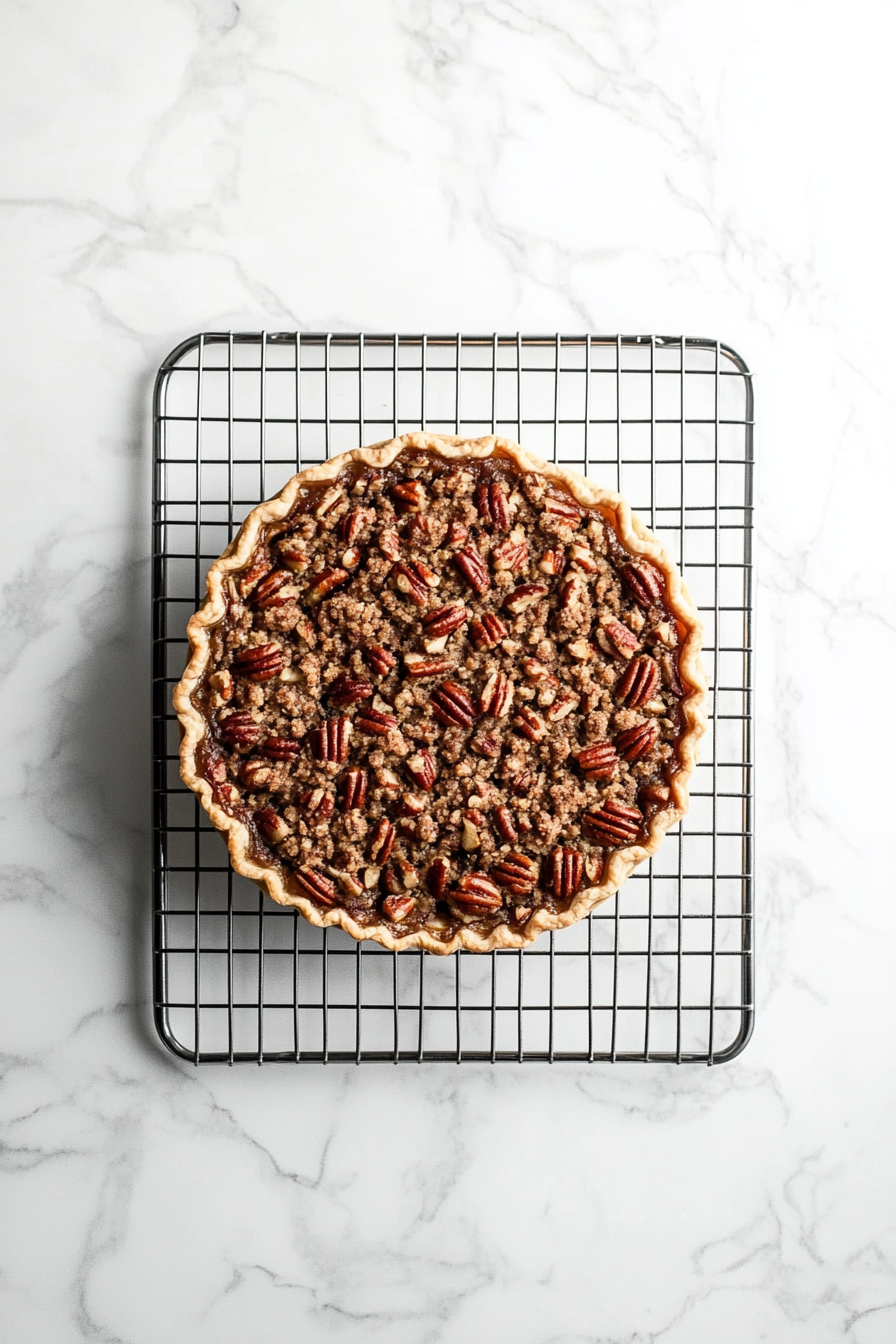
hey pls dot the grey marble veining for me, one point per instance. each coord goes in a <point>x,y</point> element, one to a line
<point>168,166</point>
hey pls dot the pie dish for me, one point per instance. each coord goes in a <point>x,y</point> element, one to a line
<point>442,694</point>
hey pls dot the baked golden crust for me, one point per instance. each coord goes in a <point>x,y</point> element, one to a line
<point>634,537</point>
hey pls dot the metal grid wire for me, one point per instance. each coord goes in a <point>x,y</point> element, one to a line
<point>662,972</point>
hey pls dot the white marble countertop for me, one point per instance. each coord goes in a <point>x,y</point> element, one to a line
<point>169,166</point>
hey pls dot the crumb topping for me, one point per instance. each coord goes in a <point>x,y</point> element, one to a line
<point>442,692</point>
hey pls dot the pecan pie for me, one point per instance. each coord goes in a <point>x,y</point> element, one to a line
<point>442,694</point>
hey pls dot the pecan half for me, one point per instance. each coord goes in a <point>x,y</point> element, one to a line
<point>638,742</point>
<point>422,769</point>
<point>389,543</point>
<point>282,748</point>
<point>497,695</point>
<point>492,503</point>
<point>249,577</point>
<point>400,876</point>
<point>420,665</point>
<point>262,663</point>
<point>530,724</point>
<point>477,891</point>
<point>511,556</point>
<point>518,872</point>
<point>410,496</point>
<point>354,789</point>
<point>380,659</point>
<point>352,523</point>
<point>598,761</point>
<point>239,730</point>
<point>486,631</point>
<point>324,583</point>
<point>445,620</point>
<point>316,804</point>
<point>644,581</point>
<point>567,867</point>
<point>486,744</point>
<point>452,705</point>
<point>504,825</point>
<point>346,690</point>
<point>410,582</point>
<point>562,508</point>
<point>374,722</point>
<point>272,825</point>
<point>329,742</point>
<point>438,877</point>
<point>382,842</point>
<point>473,568</point>
<point>621,642</point>
<point>524,596</point>
<point>615,824</point>
<point>565,703</point>
<point>294,554</point>
<point>275,590</point>
<point>315,885</point>
<point>638,683</point>
<point>397,908</point>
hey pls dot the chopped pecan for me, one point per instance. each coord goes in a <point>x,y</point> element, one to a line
<point>567,867</point>
<point>354,789</point>
<point>522,913</point>
<point>282,748</point>
<point>477,891</point>
<point>562,508</point>
<point>524,596</point>
<point>419,665</point>
<point>486,744</point>
<point>615,824</point>
<point>275,590</point>
<point>487,630</point>
<point>261,663</point>
<point>510,556</point>
<point>380,659</point>
<point>294,554</point>
<point>638,683</point>
<point>530,724</point>
<point>329,501</point>
<point>571,592</point>
<point>598,761</point>
<point>239,730</point>
<point>620,641</point>
<point>347,690</point>
<point>504,825</point>
<point>382,842</point>
<point>492,503</point>
<point>645,582</point>
<point>523,783</point>
<point>518,872</point>
<point>398,907</point>
<point>315,885</point>
<point>497,696</point>
<point>409,582</point>
<point>329,742</point>
<point>452,705</point>
<point>582,558</point>
<point>273,825</point>
<point>255,774</point>
<point>374,722</point>
<point>410,496</point>
<point>351,557</point>
<point>324,583</point>
<point>316,804</point>
<point>594,867</point>
<point>352,524</point>
<point>669,663</point>
<point>536,671</point>
<point>422,769</point>
<point>457,532</point>
<point>473,568</point>
<point>249,577</point>
<point>401,876</point>
<point>438,877</point>
<point>389,543</point>
<point>580,649</point>
<point>221,684</point>
<point>445,620</point>
<point>563,705</point>
<point>553,562</point>
<point>638,742</point>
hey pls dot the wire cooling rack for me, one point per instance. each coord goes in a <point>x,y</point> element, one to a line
<point>663,971</point>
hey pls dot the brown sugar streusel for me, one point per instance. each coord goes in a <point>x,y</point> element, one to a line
<point>442,693</point>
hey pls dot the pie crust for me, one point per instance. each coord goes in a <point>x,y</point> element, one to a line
<point>275,876</point>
